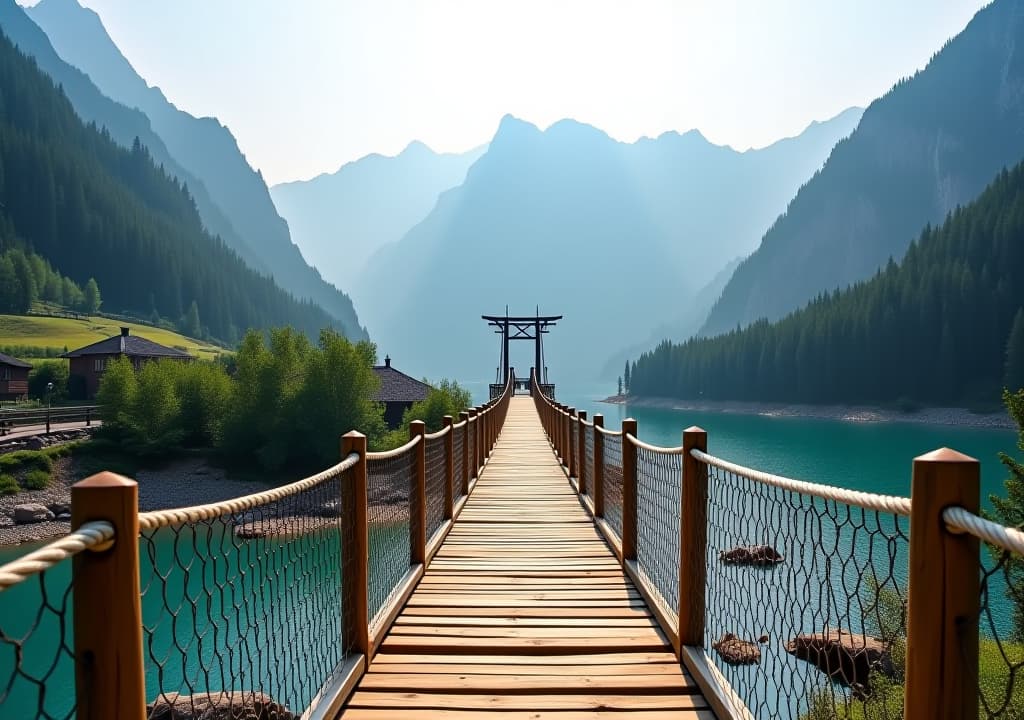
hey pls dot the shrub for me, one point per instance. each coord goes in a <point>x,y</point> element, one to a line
<point>8,485</point>
<point>55,371</point>
<point>37,480</point>
<point>27,460</point>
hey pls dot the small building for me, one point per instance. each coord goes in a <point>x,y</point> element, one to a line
<point>87,364</point>
<point>398,392</point>
<point>13,378</point>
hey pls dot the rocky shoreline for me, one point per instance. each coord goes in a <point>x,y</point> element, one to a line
<point>849,413</point>
<point>179,483</point>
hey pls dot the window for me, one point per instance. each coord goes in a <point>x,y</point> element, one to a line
<point>5,374</point>
<point>99,364</point>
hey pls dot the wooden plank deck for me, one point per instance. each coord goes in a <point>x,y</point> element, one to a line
<point>524,612</point>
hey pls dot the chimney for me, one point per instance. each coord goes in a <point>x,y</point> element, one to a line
<point>387,361</point>
<point>124,332</point>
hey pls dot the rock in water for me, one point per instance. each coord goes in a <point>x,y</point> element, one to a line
<point>227,705</point>
<point>751,555</point>
<point>31,513</point>
<point>848,658</point>
<point>737,652</point>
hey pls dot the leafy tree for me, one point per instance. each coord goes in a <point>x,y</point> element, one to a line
<point>116,396</point>
<point>91,297</point>
<point>1013,377</point>
<point>50,371</point>
<point>27,292</point>
<point>446,398</point>
<point>204,391</point>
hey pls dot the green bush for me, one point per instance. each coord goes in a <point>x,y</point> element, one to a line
<point>447,398</point>
<point>8,485</point>
<point>27,460</point>
<point>37,480</point>
<point>55,371</point>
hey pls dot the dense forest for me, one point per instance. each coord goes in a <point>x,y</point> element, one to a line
<point>943,326</point>
<point>96,210</point>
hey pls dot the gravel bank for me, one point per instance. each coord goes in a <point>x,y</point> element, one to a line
<point>850,413</point>
<point>180,483</point>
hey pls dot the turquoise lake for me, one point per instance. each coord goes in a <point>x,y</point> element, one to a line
<point>874,457</point>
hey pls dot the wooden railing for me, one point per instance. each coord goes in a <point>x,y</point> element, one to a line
<point>376,503</point>
<point>936,566</point>
<point>42,417</point>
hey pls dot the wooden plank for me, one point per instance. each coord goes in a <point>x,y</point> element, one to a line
<point>485,714</point>
<point>468,701</point>
<point>637,682</point>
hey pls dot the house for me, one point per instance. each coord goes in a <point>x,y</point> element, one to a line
<point>13,378</point>
<point>88,363</point>
<point>398,392</point>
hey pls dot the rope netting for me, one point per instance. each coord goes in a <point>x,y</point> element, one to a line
<point>389,482</point>
<point>612,486</point>
<point>1001,628</point>
<point>459,467</point>
<point>242,600</point>
<point>574,445</point>
<point>588,450</point>
<point>805,601</point>
<point>658,490</point>
<point>471,439</point>
<point>436,459</point>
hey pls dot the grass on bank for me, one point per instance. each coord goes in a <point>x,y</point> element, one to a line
<point>51,332</point>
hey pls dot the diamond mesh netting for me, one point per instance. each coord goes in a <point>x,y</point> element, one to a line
<point>805,600</point>
<point>588,437</point>
<point>435,476</point>
<point>658,487</point>
<point>458,446</point>
<point>1001,626</point>
<point>613,482</point>
<point>244,601</point>
<point>37,673</point>
<point>389,492</point>
<point>473,469</point>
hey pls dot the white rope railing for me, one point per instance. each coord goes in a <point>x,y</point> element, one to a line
<point>88,536</point>
<point>439,434</point>
<point>961,520</point>
<point>388,454</point>
<point>868,501</point>
<point>654,448</point>
<point>197,513</point>
<point>606,431</point>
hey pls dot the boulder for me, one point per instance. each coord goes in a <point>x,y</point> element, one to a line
<point>751,555</point>
<point>31,513</point>
<point>227,705</point>
<point>848,658</point>
<point>59,509</point>
<point>735,651</point>
<point>36,442</point>
<point>64,517</point>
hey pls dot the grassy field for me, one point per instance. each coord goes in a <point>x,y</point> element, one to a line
<point>60,332</point>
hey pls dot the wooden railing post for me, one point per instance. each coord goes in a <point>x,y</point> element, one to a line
<point>355,549</point>
<point>481,451</point>
<point>464,480</point>
<point>581,443</point>
<point>943,592</point>
<point>418,500</point>
<point>628,491</point>
<point>693,540</point>
<point>471,433</point>
<point>573,470</point>
<point>449,468</point>
<point>107,603</point>
<point>598,466</point>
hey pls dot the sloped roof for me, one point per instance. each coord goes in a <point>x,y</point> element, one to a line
<point>396,386</point>
<point>13,362</point>
<point>130,345</point>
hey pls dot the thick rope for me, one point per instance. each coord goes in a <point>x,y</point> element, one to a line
<point>605,431</point>
<point>960,520</point>
<point>867,501</point>
<point>458,425</point>
<point>197,513</point>
<point>88,536</point>
<point>654,448</point>
<point>439,434</point>
<point>388,454</point>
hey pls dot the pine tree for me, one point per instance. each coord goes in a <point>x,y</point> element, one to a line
<point>625,380</point>
<point>1013,377</point>
<point>1009,510</point>
<point>620,385</point>
<point>190,324</point>
<point>91,297</point>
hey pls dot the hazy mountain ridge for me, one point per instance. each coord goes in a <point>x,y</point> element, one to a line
<point>340,219</point>
<point>203,146</point>
<point>931,143</point>
<point>615,236</point>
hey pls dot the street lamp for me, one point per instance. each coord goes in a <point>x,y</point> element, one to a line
<point>49,392</point>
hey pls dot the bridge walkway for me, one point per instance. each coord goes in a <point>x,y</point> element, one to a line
<point>525,612</point>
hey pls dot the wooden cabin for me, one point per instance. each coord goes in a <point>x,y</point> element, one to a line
<point>13,378</point>
<point>89,363</point>
<point>398,392</point>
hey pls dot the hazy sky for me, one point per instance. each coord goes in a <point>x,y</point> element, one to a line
<point>306,85</point>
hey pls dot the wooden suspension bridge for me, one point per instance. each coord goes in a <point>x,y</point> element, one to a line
<point>525,594</point>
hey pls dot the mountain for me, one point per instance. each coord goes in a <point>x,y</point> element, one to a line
<point>615,236</point>
<point>94,209</point>
<point>682,327</point>
<point>203,147</point>
<point>944,326</point>
<point>929,144</point>
<point>340,219</point>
